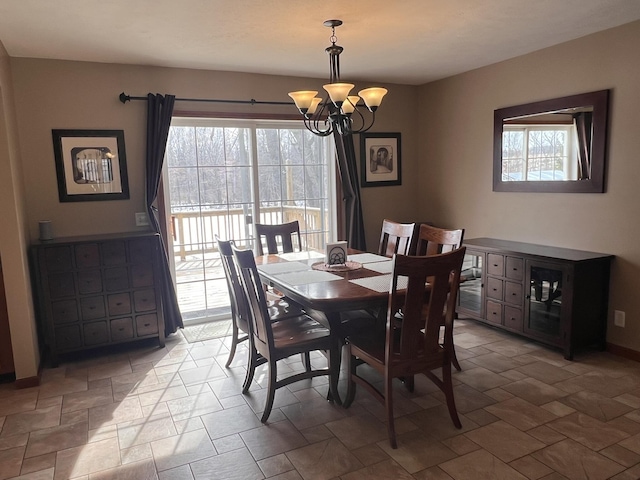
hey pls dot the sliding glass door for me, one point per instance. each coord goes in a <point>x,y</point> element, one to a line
<point>225,175</point>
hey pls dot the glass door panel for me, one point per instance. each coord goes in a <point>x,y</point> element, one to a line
<point>544,305</point>
<point>470,293</point>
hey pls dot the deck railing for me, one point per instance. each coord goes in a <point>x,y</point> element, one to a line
<point>194,232</point>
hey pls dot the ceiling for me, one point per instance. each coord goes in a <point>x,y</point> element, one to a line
<point>402,41</point>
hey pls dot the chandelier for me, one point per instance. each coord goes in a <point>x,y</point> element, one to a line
<point>339,111</point>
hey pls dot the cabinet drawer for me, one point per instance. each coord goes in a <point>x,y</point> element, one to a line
<point>513,318</point>
<point>113,253</point>
<point>494,312</point>
<point>64,311</point>
<point>141,250</point>
<point>494,288</point>
<point>514,268</point>
<point>495,264</point>
<point>144,300</point>
<point>61,285</point>
<point>92,308</point>
<point>89,281</point>
<point>513,293</point>
<point>116,279</point>
<point>68,337</point>
<point>142,276</point>
<point>119,304</point>
<point>95,333</point>
<point>147,324</point>
<point>121,329</point>
<point>87,256</point>
<point>58,259</point>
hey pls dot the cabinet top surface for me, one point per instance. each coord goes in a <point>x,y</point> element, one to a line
<point>508,246</point>
<point>93,238</point>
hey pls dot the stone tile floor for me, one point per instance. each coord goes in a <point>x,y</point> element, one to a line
<point>177,413</point>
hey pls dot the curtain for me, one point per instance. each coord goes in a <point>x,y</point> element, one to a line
<point>354,222</point>
<point>159,111</point>
<point>583,122</point>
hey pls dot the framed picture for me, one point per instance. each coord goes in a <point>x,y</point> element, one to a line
<point>380,159</point>
<point>91,165</point>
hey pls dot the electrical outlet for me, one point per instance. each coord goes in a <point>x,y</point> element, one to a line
<point>141,219</point>
<point>618,318</point>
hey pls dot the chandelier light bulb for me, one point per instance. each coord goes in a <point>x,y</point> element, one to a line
<point>349,105</point>
<point>304,99</point>
<point>338,92</point>
<point>373,97</point>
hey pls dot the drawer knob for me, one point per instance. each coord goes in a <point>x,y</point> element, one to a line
<point>147,324</point>
<point>121,329</point>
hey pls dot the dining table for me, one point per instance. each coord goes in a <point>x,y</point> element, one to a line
<point>361,283</point>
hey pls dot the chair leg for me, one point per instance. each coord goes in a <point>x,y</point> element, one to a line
<point>271,390</point>
<point>409,382</point>
<point>388,402</point>
<point>306,361</point>
<point>454,359</point>
<point>447,388</point>
<point>334,371</point>
<point>234,343</point>
<point>351,385</point>
<point>251,368</point>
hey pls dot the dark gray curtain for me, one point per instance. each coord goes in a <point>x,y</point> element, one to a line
<point>583,122</point>
<point>159,111</point>
<point>348,172</point>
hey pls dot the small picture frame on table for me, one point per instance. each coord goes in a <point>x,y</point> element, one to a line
<point>380,159</point>
<point>91,165</point>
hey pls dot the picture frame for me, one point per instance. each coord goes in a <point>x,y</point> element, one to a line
<point>380,159</point>
<point>91,165</point>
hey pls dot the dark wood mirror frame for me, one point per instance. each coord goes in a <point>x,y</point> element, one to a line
<point>596,182</point>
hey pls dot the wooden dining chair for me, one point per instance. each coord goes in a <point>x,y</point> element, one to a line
<point>432,241</point>
<point>414,347</point>
<point>282,235</point>
<point>275,341</point>
<point>279,309</point>
<point>395,238</point>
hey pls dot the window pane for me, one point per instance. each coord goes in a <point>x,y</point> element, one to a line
<point>210,146</point>
<point>269,183</point>
<point>181,147</point>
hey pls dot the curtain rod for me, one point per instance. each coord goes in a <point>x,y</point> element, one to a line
<point>124,98</point>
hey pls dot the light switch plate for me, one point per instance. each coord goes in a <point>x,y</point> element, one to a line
<point>141,219</point>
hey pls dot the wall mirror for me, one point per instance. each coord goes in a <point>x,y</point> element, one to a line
<point>556,145</point>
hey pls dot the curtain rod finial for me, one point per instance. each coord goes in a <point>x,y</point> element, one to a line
<point>124,98</point>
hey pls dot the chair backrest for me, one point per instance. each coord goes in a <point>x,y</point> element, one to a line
<point>256,300</point>
<point>418,339</point>
<point>395,238</point>
<point>433,240</point>
<point>286,232</point>
<point>239,307</point>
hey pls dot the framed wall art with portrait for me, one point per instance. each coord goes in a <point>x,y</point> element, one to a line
<point>91,165</point>
<point>380,159</point>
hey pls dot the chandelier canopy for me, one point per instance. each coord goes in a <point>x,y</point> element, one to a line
<point>339,111</point>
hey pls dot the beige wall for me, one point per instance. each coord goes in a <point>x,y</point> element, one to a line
<point>456,132</point>
<point>77,95</point>
<point>14,235</point>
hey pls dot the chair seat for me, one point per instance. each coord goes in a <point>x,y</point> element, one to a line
<point>282,308</point>
<point>297,331</point>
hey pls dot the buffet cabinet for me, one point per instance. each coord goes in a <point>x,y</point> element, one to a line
<point>557,296</point>
<point>95,291</point>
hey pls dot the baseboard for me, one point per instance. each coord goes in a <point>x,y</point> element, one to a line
<point>623,352</point>
<point>27,382</point>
